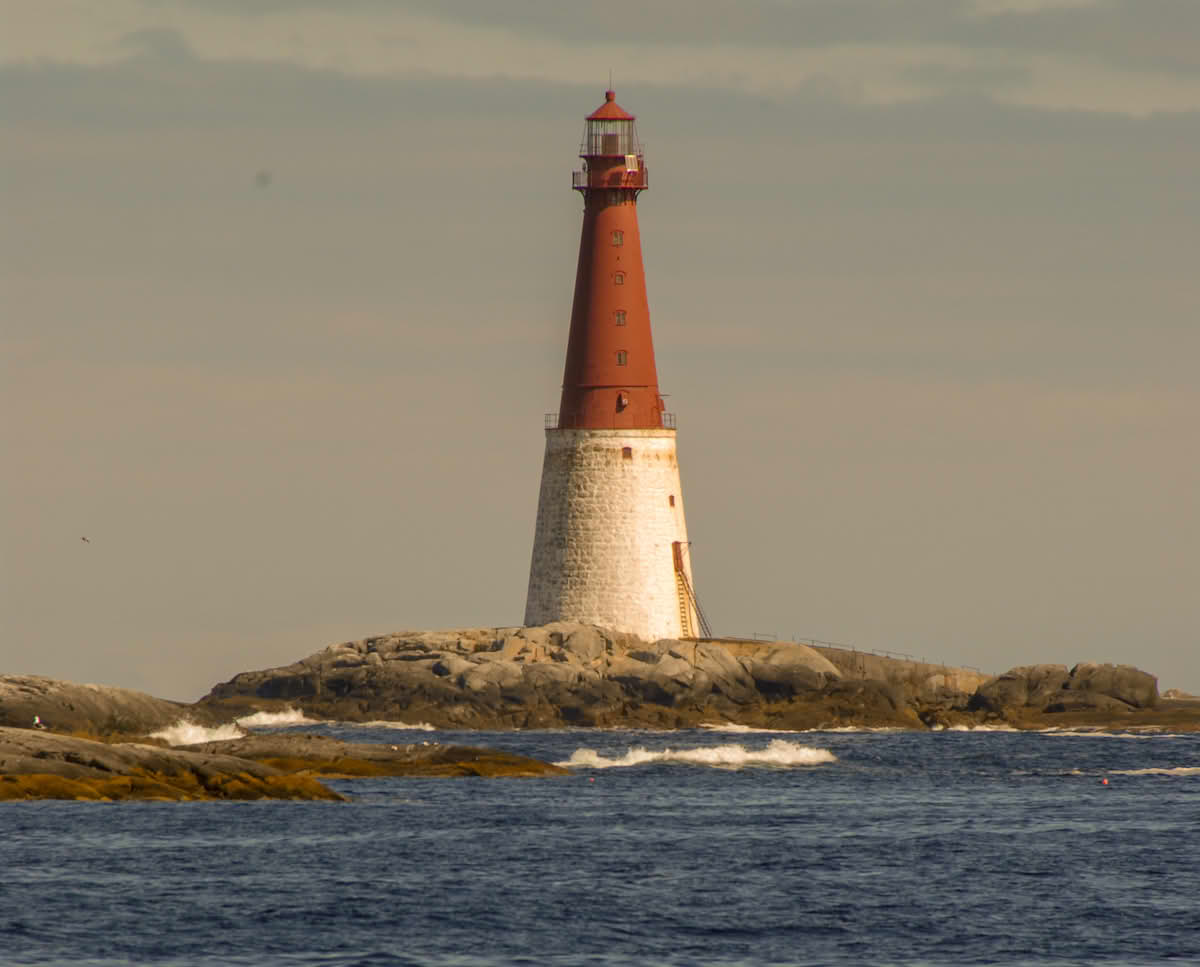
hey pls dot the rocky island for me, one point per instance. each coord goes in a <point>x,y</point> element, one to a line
<point>552,676</point>
<point>567,674</point>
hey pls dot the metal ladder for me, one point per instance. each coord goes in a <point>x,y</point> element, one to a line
<point>687,598</point>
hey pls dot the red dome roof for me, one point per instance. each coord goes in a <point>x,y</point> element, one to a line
<point>610,110</point>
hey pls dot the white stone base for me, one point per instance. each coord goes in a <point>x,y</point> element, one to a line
<point>609,511</point>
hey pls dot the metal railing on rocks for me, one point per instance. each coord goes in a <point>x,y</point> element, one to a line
<point>759,636</point>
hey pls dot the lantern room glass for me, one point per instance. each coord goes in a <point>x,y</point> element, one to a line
<point>609,138</point>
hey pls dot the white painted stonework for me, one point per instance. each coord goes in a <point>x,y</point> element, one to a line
<point>605,525</point>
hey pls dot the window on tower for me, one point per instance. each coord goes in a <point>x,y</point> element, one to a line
<point>619,278</point>
<point>618,237</point>
<point>619,317</point>
<point>622,357</point>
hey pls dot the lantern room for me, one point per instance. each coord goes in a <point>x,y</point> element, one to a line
<point>609,131</point>
<point>611,152</point>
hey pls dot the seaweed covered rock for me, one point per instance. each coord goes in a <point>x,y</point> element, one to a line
<point>36,764</point>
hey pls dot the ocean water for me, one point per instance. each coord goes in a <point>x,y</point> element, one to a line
<point>706,847</point>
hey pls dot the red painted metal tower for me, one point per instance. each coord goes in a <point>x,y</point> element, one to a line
<point>610,381</point>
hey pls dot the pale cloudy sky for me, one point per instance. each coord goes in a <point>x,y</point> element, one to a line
<point>285,288</point>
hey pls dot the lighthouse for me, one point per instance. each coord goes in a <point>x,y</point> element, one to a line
<point>610,546</point>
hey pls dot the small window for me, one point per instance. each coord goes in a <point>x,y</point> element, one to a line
<point>618,237</point>
<point>626,453</point>
<point>622,357</point>
<point>619,278</point>
<point>671,500</point>
<point>619,316</point>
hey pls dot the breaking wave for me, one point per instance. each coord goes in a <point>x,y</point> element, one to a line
<point>1177,771</point>
<point>379,724</point>
<point>779,753</point>
<point>266,720</point>
<point>184,732</point>
<point>750,729</point>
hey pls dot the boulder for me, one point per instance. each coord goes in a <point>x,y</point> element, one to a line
<point>636,678</point>
<point>867,699</point>
<point>726,673</point>
<point>583,643</point>
<point>67,706</point>
<point>1124,683</point>
<point>790,655</point>
<point>779,681</point>
<point>679,679</point>
<point>554,674</point>
<point>1020,687</point>
<point>453,667</point>
<point>1053,689</point>
<point>788,670</point>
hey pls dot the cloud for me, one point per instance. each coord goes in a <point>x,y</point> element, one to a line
<point>159,43</point>
<point>1106,55</point>
<point>1130,33</point>
<point>969,79</point>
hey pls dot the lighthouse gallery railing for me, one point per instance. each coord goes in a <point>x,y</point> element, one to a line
<point>551,423</point>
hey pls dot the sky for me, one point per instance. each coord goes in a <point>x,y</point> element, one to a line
<point>285,288</point>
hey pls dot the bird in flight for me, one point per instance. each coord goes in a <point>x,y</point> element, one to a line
<point>85,540</point>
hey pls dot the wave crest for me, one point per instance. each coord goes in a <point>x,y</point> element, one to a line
<point>185,732</point>
<point>752,729</point>
<point>381,724</point>
<point>265,720</point>
<point>1177,771</point>
<point>779,753</point>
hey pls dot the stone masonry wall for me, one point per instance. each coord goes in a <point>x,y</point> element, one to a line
<point>605,524</point>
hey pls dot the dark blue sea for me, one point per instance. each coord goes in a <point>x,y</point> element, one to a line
<point>692,847</point>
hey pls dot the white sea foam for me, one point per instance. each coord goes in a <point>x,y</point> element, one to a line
<point>1177,771</point>
<point>379,724</point>
<point>266,720</point>
<point>750,729</point>
<point>982,728</point>
<point>1101,734</point>
<point>779,753</point>
<point>184,732</point>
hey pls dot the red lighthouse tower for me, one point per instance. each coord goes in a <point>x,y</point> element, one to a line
<point>610,547</point>
<point>610,379</point>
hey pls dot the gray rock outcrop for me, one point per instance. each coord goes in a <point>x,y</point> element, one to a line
<point>572,674</point>
<point>30,751</point>
<point>1052,689</point>
<point>67,706</point>
<point>566,674</point>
